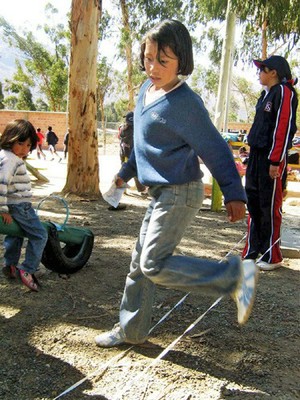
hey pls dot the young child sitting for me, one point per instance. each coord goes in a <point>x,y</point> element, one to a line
<point>17,140</point>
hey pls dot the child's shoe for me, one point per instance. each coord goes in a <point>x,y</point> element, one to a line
<point>10,271</point>
<point>28,280</point>
<point>244,294</point>
<point>112,338</point>
<point>264,266</point>
<point>115,337</point>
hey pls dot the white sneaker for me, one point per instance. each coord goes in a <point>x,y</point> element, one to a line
<point>245,292</point>
<point>264,266</point>
<point>112,338</point>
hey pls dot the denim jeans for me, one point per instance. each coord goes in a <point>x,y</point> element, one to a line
<point>28,220</point>
<point>170,212</point>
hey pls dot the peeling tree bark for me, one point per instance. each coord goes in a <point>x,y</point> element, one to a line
<point>83,164</point>
<point>264,41</point>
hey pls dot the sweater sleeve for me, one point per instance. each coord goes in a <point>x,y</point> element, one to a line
<point>129,169</point>
<point>7,170</point>
<point>215,154</point>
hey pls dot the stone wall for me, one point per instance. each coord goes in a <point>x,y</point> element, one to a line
<point>39,119</point>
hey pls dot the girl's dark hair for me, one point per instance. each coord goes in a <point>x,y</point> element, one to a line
<point>173,34</point>
<point>18,130</point>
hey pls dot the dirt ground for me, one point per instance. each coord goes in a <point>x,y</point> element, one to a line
<point>47,337</point>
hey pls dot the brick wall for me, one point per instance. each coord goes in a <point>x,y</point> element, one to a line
<point>58,121</point>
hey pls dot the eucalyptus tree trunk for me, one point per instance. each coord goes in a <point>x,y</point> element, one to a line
<point>83,164</point>
<point>224,91</point>
<point>127,42</point>
<point>229,77</point>
<point>264,41</point>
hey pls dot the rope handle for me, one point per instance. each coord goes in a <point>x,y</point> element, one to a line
<point>63,201</point>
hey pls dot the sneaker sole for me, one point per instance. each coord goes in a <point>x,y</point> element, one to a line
<point>250,307</point>
<point>106,341</point>
<point>269,268</point>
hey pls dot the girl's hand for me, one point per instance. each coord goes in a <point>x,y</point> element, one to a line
<point>236,210</point>
<point>274,171</point>
<point>7,218</point>
<point>119,181</point>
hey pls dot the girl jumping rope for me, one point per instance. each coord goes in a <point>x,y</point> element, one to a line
<point>173,128</point>
<point>17,140</point>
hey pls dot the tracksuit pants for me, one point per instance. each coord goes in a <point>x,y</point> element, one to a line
<point>265,208</point>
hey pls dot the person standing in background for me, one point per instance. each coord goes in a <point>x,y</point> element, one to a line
<point>126,145</point>
<point>66,143</point>
<point>269,139</point>
<point>39,148</point>
<point>52,140</point>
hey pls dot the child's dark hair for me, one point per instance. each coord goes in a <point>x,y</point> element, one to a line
<point>18,130</point>
<point>173,34</point>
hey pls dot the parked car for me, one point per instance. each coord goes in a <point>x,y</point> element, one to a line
<point>234,136</point>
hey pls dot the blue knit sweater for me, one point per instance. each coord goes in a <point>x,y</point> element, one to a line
<point>170,134</point>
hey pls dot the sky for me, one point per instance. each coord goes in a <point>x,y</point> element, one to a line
<point>27,13</point>
<point>30,13</point>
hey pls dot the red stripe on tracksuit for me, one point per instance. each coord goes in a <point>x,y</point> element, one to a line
<point>282,127</point>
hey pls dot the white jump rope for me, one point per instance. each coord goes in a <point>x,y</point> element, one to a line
<point>101,371</point>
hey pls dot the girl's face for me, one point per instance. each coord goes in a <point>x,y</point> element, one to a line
<point>21,149</point>
<point>163,73</point>
<point>267,77</point>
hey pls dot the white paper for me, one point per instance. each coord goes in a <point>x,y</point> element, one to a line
<point>114,194</point>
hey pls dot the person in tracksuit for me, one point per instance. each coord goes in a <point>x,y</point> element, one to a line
<point>269,139</point>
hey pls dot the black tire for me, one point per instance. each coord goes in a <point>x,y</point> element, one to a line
<point>69,258</point>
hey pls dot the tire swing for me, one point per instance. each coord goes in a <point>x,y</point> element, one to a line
<point>68,248</point>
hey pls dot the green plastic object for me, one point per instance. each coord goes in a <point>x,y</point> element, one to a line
<point>69,235</point>
<point>66,233</point>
